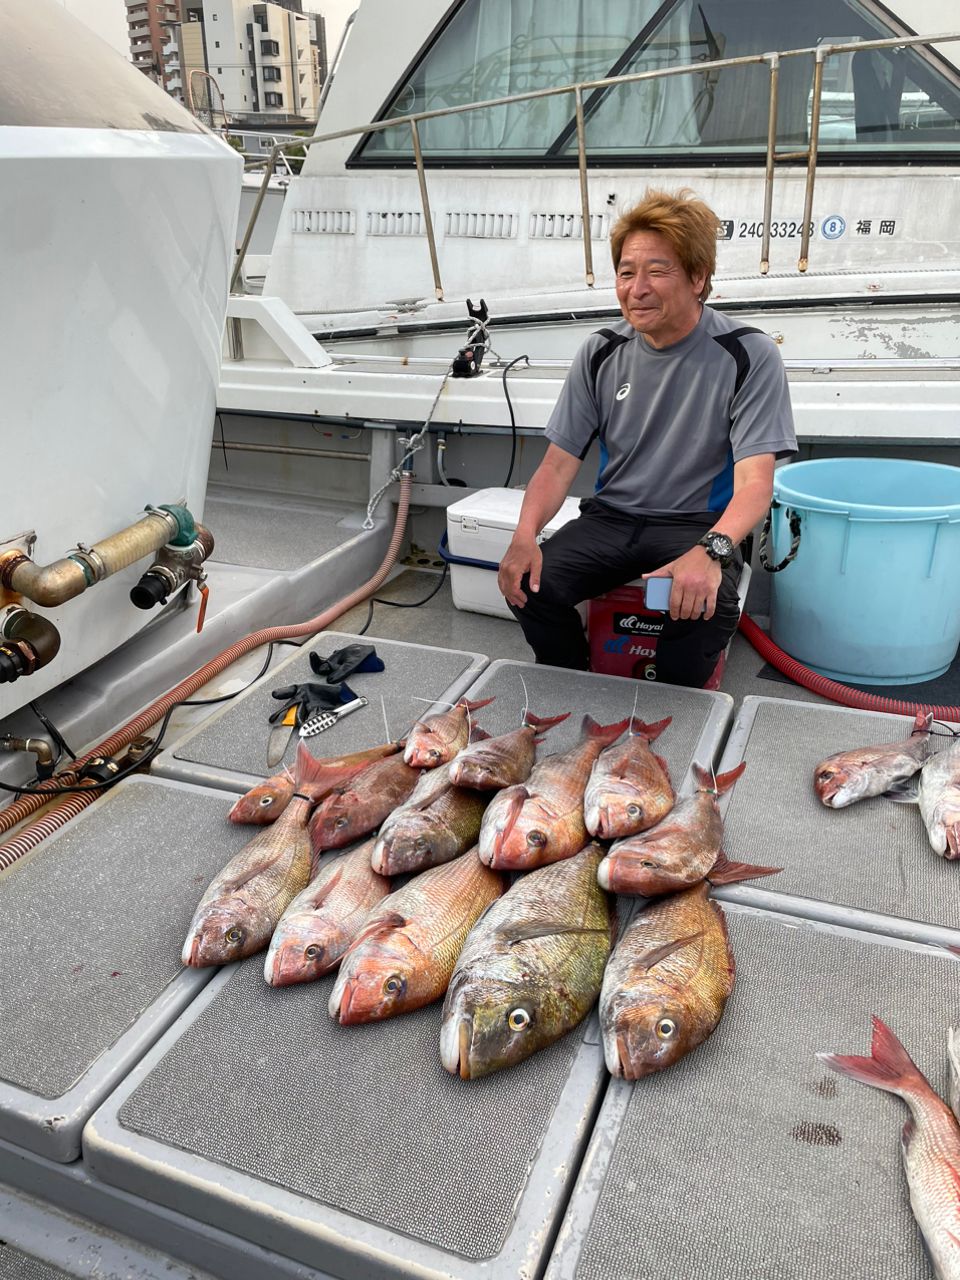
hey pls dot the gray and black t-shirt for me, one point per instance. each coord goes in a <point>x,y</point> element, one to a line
<point>671,423</point>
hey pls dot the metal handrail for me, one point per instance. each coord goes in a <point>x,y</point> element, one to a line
<point>819,52</point>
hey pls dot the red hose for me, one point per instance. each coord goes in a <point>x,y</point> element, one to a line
<point>832,689</point>
<point>71,805</point>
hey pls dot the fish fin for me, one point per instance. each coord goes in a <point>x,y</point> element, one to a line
<point>477,734</point>
<point>324,891</point>
<point>724,871</point>
<point>923,722</point>
<point>605,733</point>
<point>650,959</point>
<point>515,933</point>
<point>664,766</point>
<point>375,928</point>
<point>906,791</point>
<point>649,731</point>
<point>542,723</point>
<point>475,706</point>
<point>726,780</point>
<point>889,1066</point>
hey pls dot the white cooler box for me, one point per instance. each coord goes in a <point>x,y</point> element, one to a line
<point>479,529</point>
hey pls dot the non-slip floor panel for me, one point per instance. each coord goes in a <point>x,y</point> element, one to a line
<point>364,1119</point>
<point>279,535</point>
<point>93,923</point>
<point>699,718</point>
<point>16,1265</point>
<point>749,1158</point>
<point>413,678</point>
<point>873,855</point>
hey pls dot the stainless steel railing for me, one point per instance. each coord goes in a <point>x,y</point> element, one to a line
<point>820,53</point>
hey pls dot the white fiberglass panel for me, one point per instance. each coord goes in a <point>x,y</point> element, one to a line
<point>116,251</point>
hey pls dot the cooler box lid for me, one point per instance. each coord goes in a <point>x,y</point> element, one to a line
<point>500,509</point>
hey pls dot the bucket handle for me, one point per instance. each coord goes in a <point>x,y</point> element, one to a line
<point>793,518</point>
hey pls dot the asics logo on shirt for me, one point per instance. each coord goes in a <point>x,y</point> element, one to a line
<point>624,391</point>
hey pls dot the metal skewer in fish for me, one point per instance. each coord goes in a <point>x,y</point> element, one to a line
<point>629,788</point>
<point>541,820</point>
<point>405,954</point>
<point>531,968</point>
<point>682,849</point>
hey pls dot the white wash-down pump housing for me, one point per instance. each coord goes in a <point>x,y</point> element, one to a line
<point>118,213</point>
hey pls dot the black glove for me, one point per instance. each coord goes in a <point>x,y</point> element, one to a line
<point>346,662</point>
<point>309,699</point>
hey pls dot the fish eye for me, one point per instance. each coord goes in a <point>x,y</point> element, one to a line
<point>234,934</point>
<point>518,1019</point>
<point>313,952</point>
<point>634,811</point>
<point>420,843</point>
<point>825,775</point>
<point>645,862</point>
<point>433,754</point>
<point>665,1029</point>
<point>266,801</point>
<point>537,839</point>
<point>340,822</point>
<point>394,985</point>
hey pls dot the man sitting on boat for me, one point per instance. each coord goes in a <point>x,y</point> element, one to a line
<point>691,411</point>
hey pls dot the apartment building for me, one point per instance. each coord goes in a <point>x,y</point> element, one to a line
<point>263,57</point>
<point>150,26</point>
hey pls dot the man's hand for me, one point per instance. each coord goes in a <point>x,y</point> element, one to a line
<point>696,581</point>
<point>523,555</point>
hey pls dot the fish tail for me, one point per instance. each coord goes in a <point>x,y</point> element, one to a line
<point>717,783</point>
<point>724,871</point>
<point>605,733</point>
<point>889,1066</point>
<point>649,731</point>
<point>923,723</point>
<point>542,723</point>
<point>475,706</point>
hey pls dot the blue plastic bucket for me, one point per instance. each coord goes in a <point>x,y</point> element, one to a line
<point>873,593</point>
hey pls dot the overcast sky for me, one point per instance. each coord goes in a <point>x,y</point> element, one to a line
<point>108,18</point>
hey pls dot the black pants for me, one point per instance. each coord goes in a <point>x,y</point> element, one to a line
<point>603,549</point>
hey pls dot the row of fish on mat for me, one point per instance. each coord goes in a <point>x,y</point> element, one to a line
<point>907,771</point>
<point>455,809</point>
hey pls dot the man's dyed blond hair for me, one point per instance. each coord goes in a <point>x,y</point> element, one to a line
<point>685,221</point>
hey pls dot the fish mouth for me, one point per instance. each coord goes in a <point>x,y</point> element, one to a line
<point>952,851</point>
<point>191,953</point>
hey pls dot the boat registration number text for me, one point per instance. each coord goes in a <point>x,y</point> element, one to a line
<point>778,230</point>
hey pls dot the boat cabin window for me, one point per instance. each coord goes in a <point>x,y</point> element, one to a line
<point>883,103</point>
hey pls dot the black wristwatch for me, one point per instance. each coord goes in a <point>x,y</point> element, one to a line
<point>718,547</point>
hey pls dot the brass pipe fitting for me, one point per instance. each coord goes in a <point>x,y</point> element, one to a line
<point>172,568</point>
<point>40,747</point>
<point>27,642</point>
<point>54,584</point>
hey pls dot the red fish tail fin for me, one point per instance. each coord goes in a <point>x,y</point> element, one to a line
<point>542,723</point>
<point>649,731</point>
<point>475,706</point>
<point>726,780</point>
<point>716,783</point>
<point>889,1066</point>
<point>724,871</point>
<point>603,733</point>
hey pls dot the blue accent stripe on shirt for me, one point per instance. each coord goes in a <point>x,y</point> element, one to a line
<point>721,491</point>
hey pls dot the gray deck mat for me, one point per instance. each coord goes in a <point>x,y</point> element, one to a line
<point>872,856</point>
<point>363,1119</point>
<point>696,732</point>
<point>94,921</point>
<point>16,1265</point>
<point>278,534</point>
<point>234,740</point>
<point>749,1158</point>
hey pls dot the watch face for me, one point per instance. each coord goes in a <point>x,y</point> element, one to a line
<point>721,544</point>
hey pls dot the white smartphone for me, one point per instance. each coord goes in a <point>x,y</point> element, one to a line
<point>656,593</point>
